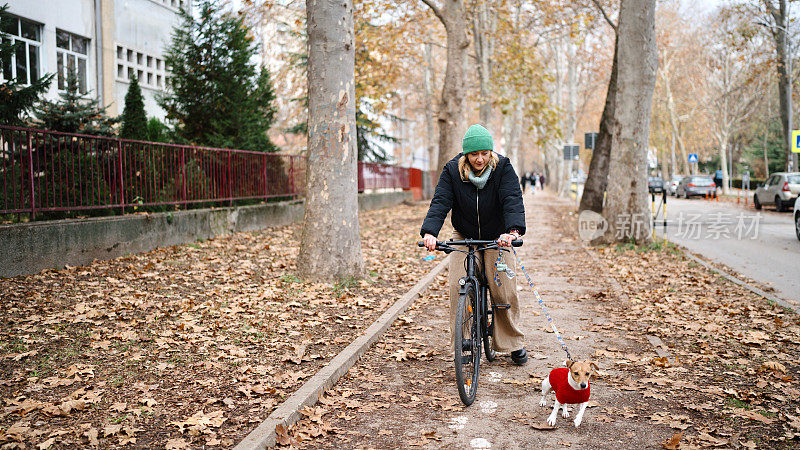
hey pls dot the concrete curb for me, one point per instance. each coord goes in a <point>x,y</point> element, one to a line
<point>741,283</point>
<point>288,412</point>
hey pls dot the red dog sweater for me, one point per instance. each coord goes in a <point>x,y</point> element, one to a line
<point>564,392</point>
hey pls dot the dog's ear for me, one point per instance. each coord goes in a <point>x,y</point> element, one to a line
<point>594,366</point>
<point>569,363</point>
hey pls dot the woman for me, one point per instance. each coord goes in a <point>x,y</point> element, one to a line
<point>483,191</point>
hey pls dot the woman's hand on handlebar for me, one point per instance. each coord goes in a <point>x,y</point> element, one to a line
<point>430,242</point>
<point>505,239</point>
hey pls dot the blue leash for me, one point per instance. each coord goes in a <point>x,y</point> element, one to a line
<point>500,266</point>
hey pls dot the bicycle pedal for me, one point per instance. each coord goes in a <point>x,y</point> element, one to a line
<point>502,306</point>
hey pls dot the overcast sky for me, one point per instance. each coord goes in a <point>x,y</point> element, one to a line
<point>704,5</point>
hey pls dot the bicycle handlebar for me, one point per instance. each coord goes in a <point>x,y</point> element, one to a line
<point>515,243</point>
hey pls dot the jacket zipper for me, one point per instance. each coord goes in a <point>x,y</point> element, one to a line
<point>478,210</point>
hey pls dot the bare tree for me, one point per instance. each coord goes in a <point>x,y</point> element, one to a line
<point>330,246</point>
<point>597,179</point>
<point>776,17</point>
<point>778,21</point>
<point>428,88</point>
<point>626,208</point>
<point>452,14</point>
<point>731,89</point>
<point>484,29</point>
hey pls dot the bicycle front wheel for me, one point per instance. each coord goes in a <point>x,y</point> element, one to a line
<point>467,346</point>
<point>487,328</point>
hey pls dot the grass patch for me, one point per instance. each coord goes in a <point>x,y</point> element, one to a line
<point>290,278</point>
<point>655,246</point>
<point>736,403</point>
<point>343,285</point>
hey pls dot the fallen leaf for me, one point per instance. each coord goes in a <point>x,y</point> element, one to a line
<point>46,444</point>
<point>176,444</point>
<point>92,434</point>
<point>674,442</point>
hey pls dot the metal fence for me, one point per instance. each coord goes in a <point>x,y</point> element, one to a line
<point>46,171</point>
<point>382,176</point>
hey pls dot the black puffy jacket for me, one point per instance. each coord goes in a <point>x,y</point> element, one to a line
<point>477,214</point>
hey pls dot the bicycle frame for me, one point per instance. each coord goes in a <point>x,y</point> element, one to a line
<point>482,329</point>
<point>478,277</point>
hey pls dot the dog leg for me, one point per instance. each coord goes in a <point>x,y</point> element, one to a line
<point>564,411</point>
<point>552,419</point>
<point>579,416</point>
<point>545,390</point>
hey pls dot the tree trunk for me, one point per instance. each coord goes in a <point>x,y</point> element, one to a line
<point>674,122</point>
<point>626,207</point>
<point>330,247</point>
<point>484,26</point>
<point>514,132</point>
<point>784,67</point>
<point>451,110</point>
<point>597,179</point>
<point>723,159</point>
<point>766,131</point>
<point>429,123</point>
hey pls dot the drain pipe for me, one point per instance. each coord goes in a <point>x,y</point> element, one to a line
<point>98,33</point>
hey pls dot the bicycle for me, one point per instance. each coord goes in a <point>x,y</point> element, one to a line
<point>474,314</point>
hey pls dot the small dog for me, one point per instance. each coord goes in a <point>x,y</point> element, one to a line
<point>571,385</point>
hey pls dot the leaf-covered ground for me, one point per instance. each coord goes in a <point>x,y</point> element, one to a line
<point>730,381</point>
<point>187,346</point>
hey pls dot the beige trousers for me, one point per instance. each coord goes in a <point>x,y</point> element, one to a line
<point>507,335</point>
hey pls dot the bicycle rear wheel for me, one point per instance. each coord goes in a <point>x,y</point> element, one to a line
<point>467,346</point>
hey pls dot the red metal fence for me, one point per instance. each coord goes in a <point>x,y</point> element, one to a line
<point>382,176</point>
<point>45,171</point>
<point>42,171</point>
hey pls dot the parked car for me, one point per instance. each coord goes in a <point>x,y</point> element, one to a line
<point>672,185</point>
<point>655,185</point>
<point>797,219</point>
<point>696,185</point>
<point>780,189</point>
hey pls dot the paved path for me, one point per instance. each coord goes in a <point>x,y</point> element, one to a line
<point>393,400</point>
<point>766,250</point>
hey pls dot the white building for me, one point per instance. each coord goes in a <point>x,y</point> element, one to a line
<point>105,41</point>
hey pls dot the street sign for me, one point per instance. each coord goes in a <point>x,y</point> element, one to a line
<point>590,139</point>
<point>571,152</point>
<point>795,141</point>
<point>652,158</point>
<point>692,157</point>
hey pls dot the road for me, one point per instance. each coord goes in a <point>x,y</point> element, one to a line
<point>758,244</point>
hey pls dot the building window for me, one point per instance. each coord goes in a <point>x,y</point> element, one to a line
<point>23,65</point>
<point>72,56</point>
<point>148,68</point>
<point>174,4</point>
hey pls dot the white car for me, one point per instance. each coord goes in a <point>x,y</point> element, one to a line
<point>797,219</point>
<point>672,185</point>
<point>781,189</point>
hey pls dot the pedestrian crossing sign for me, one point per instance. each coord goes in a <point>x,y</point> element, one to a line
<point>692,157</point>
<point>795,141</point>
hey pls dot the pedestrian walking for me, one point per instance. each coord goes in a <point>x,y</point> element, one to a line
<point>718,178</point>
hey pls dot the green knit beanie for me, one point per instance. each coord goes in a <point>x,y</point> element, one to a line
<point>476,139</point>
